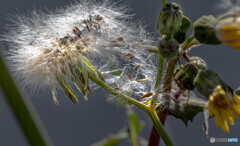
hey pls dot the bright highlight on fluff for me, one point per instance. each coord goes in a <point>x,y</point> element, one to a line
<point>61,48</point>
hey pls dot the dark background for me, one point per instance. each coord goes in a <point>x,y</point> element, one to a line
<point>89,122</point>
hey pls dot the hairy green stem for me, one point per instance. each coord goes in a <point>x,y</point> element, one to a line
<point>159,128</point>
<point>158,81</point>
<point>151,113</point>
<point>23,110</point>
<point>159,73</point>
<point>167,87</point>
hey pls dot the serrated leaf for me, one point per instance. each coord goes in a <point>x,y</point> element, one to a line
<point>186,111</point>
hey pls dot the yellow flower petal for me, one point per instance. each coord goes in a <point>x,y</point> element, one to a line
<point>228,115</point>
<point>236,105</point>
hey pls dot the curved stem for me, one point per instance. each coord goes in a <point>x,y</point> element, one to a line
<point>23,110</point>
<point>159,128</point>
<point>124,97</point>
<point>152,114</point>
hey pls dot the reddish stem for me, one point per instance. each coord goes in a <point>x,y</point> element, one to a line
<point>154,138</point>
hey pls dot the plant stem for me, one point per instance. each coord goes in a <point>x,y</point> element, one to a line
<point>23,110</point>
<point>167,87</point>
<point>158,81</point>
<point>124,97</point>
<point>132,128</point>
<point>167,84</point>
<point>159,73</point>
<point>152,114</point>
<point>159,128</point>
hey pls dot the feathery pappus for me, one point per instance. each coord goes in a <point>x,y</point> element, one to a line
<point>59,49</point>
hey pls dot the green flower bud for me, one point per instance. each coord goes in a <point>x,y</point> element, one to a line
<point>207,81</point>
<point>168,48</point>
<point>186,77</point>
<point>186,23</point>
<point>199,62</point>
<point>204,30</point>
<point>169,19</point>
<point>180,36</point>
<point>188,74</point>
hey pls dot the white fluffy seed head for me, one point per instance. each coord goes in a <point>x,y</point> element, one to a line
<point>46,47</point>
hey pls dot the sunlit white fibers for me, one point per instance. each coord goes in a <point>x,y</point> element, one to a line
<point>45,47</point>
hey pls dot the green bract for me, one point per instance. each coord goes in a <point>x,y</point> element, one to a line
<point>180,36</point>
<point>169,19</point>
<point>208,80</point>
<point>186,23</point>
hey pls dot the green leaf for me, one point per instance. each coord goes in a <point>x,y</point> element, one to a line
<point>186,110</point>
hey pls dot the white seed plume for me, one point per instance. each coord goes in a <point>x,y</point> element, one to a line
<point>51,49</point>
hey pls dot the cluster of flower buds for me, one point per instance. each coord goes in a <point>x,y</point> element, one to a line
<point>172,25</point>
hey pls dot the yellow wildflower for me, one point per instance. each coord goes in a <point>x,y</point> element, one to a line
<point>223,109</point>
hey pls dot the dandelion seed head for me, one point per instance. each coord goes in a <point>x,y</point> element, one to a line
<point>46,49</point>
